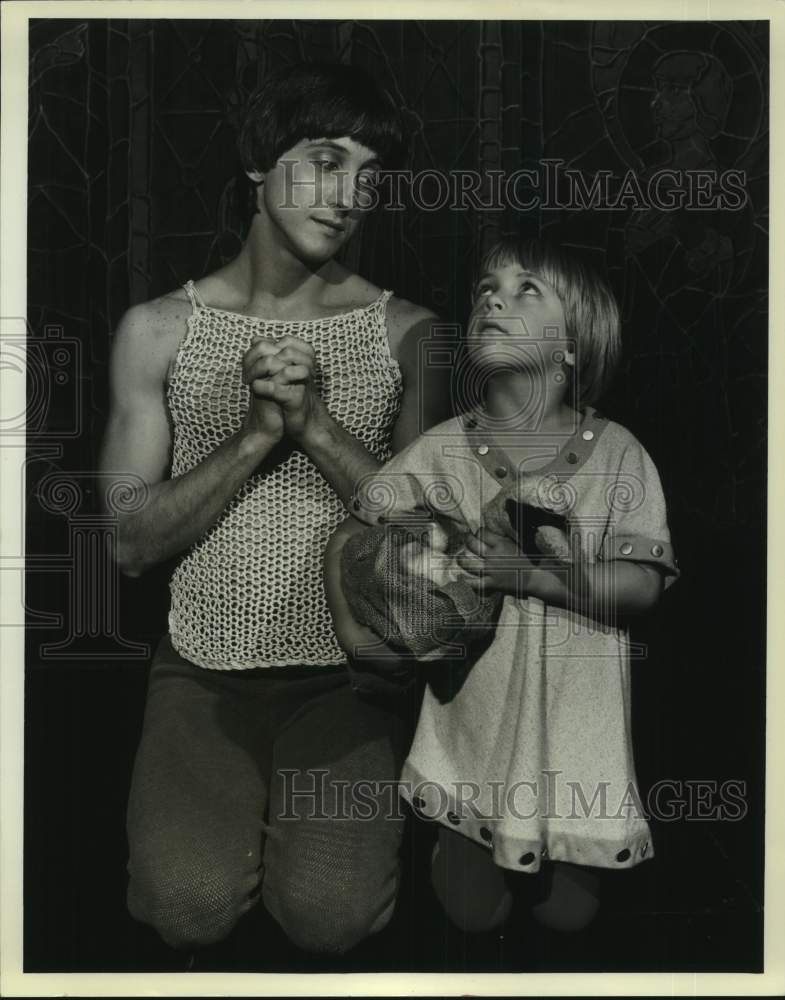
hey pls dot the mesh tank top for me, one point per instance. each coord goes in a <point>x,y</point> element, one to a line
<point>249,592</point>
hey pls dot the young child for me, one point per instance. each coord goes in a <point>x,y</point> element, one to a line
<point>525,755</point>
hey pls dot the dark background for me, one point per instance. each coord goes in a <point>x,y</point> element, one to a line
<point>131,192</point>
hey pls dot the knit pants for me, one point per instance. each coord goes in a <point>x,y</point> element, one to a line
<point>277,783</point>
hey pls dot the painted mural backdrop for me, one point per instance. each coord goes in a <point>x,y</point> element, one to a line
<point>644,143</point>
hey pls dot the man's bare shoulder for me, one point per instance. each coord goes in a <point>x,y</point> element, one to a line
<point>406,321</point>
<point>149,334</point>
<point>158,317</point>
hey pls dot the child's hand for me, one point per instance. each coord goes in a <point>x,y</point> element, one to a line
<point>414,559</point>
<point>425,557</point>
<point>494,562</point>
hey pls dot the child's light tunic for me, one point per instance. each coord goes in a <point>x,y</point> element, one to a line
<point>529,750</point>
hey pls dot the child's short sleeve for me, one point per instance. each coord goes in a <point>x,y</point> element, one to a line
<point>637,528</point>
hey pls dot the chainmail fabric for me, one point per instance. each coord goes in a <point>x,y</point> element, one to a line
<point>409,611</point>
<point>429,614</point>
<point>249,592</point>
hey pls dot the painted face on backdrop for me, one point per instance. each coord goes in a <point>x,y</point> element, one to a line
<point>674,111</point>
<point>517,323</point>
<point>316,194</point>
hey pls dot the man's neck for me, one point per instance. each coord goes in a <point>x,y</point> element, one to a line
<point>267,274</point>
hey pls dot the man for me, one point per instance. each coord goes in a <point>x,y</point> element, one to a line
<point>250,404</point>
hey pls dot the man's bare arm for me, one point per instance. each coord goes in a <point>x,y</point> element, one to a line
<point>172,513</point>
<point>426,402</point>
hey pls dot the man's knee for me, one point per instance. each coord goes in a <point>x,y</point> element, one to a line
<point>189,903</point>
<point>331,927</point>
<point>331,884</point>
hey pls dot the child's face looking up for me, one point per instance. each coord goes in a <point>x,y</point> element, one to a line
<point>314,195</point>
<point>517,322</point>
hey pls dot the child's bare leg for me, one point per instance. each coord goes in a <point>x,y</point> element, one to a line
<point>572,900</point>
<point>471,888</point>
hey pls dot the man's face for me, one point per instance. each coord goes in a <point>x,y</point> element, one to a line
<point>315,194</point>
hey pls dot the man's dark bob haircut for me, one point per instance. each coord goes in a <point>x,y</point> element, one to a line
<point>317,100</point>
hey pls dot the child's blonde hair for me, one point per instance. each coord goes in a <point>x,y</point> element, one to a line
<point>590,309</point>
